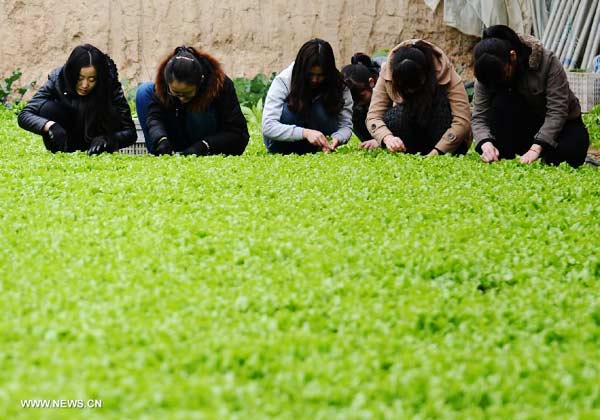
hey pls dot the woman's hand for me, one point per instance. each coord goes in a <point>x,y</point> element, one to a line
<point>335,143</point>
<point>532,154</point>
<point>433,152</point>
<point>47,126</point>
<point>164,147</point>
<point>489,153</point>
<point>316,138</point>
<point>99,144</point>
<point>369,144</point>
<point>394,144</point>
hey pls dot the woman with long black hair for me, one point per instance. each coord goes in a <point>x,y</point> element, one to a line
<point>81,107</point>
<point>419,103</point>
<point>523,104</point>
<point>307,103</point>
<point>191,108</point>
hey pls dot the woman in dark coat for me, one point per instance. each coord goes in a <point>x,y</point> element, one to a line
<point>191,108</point>
<point>360,76</point>
<point>523,105</point>
<point>81,107</point>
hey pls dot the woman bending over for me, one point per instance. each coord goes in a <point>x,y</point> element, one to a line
<point>523,105</point>
<point>419,103</point>
<point>191,108</point>
<point>307,103</point>
<point>360,76</point>
<point>81,107</point>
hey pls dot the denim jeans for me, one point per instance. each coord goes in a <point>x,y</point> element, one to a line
<point>319,120</point>
<point>182,131</point>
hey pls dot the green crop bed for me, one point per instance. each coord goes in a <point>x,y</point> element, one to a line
<point>351,285</point>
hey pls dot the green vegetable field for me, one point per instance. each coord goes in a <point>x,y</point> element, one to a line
<point>353,285</point>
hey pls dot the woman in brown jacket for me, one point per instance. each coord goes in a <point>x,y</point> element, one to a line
<point>419,103</point>
<point>523,105</point>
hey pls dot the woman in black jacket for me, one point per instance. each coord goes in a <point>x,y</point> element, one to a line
<point>192,108</point>
<point>81,107</point>
<point>360,76</point>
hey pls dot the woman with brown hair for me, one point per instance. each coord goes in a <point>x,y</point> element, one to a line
<point>191,108</point>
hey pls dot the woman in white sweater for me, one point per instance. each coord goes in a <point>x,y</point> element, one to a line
<point>307,103</point>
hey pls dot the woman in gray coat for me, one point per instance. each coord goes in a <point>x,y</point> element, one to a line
<point>523,105</point>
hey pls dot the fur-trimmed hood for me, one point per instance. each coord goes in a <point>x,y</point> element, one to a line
<point>205,97</point>
<point>537,50</point>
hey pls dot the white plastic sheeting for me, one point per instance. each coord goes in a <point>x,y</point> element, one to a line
<point>433,4</point>
<point>471,16</point>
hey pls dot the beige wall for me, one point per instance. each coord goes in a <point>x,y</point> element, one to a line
<point>248,36</point>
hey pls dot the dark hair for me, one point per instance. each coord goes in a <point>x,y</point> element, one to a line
<point>316,52</point>
<point>492,54</point>
<point>356,77</point>
<point>365,60</point>
<point>357,74</point>
<point>188,66</point>
<point>414,75</point>
<point>96,110</point>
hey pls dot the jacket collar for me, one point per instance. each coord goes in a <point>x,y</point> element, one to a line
<point>537,50</point>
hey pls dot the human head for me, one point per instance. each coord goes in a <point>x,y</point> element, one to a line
<point>314,65</point>
<point>184,73</point>
<point>315,73</point>
<point>361,81</point>
<point>499,56</point>
<point>360,76</point>
<point>412,68</point>
<point>86,71</point>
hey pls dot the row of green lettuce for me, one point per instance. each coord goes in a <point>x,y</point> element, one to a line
<point>352,285</point>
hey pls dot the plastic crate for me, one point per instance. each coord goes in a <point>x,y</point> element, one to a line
<point>139,147</point>
<point>586,86</point>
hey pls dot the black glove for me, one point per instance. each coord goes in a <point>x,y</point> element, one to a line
<point>199,148</point>
<point>164,147</point>
<point>57,138</point>
<point>101,144</point>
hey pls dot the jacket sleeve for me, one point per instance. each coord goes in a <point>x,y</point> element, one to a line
<point>126,134</point>
<point>380,103</point>
<point>344,131</point>
<point>460,128</point>
<point>155,121</point>
<point>272,128</point>
<point>557,104</point>
<point>29,118</point>
<point>232,137</point>
<point>481,114</point>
